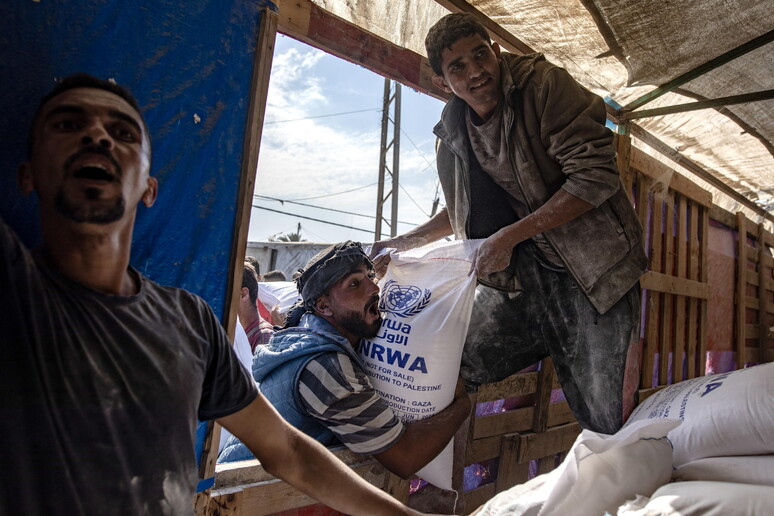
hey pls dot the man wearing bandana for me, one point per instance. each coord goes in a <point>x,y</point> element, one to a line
<point>312,375</point>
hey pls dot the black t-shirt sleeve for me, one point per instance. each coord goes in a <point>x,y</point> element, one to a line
<point>227,387</point>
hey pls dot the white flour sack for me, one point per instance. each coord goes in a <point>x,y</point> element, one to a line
<point>414,361</point>
<point>278,293</point>
<point>725,414</point>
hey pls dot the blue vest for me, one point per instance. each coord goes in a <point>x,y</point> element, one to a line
<point>277,368</point>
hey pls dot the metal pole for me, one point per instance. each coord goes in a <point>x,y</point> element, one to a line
<point>382,161</point>
<point>395,161</point>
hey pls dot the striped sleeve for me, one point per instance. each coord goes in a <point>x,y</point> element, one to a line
<point>337,392</point>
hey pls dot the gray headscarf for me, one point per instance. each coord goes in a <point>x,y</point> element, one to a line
<point>327,267</point>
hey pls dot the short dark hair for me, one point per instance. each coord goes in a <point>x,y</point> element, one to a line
<point>275,275</point>
<point>446,32</point>
<point>250,282</point>
<point>252,260</point>
<point>83,80</point>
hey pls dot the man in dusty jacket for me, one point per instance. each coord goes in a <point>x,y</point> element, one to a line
<point>526,162</point>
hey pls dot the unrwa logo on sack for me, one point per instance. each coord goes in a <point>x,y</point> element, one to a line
<point>403,300</point>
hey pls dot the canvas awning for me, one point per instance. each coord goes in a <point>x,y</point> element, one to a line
<point>623,50</point>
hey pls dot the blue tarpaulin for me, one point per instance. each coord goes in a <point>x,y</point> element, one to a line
<point>190,66</point>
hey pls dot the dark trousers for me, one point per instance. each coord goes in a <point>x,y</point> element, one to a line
<point>553,317</point>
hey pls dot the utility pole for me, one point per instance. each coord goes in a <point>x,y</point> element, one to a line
<point>391,99</point>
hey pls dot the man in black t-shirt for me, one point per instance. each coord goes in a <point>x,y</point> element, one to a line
<point>103,371</point>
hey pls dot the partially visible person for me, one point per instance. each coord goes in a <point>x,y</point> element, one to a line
<point>104,372</point>
<point>275,275</point>
<point>313,376</point>
<point>262,309</point>
<point>258,330</point>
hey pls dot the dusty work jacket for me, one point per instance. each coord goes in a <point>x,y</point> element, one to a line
<point>558,139</point>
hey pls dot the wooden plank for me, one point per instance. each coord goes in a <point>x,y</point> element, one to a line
<point>233,474</point>
<point>764,276</point>
<point>655,320</point>
<point>725,217</point>
<point>475,498</point>
<point>644,209</point>
<point>250,147</point>
<point>518,420</point>
<point>752,254</point>
<point>305,21</point>
<point>223,504</point>
<point>751,331</point>
<point>751,277</point>
<point>674,180</point>
<point>681,269</point>
<point>643,205</point>
<point>543,397</point>
<point>693,274</point>
<point>623,143</point>
<point>272,496</point>
<point>560,413</point>
<point>554,440</point>
<point>515,385</point>
<point>740,321</point>
<point>483,449</point>
<point>704,278</point>
<point>659,282</point>
<point>546,465</point>
<point>667,303</point>
<point>509,470</point>
<point>397,487</point>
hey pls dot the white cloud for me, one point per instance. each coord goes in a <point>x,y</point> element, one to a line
<point>305,157</point>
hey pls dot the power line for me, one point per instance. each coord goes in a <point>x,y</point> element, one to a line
<point>415,203</point>
<point>321,116</point>
<point>313,219</point>
<point>331,195</point>
<point>332,209</point>
<point>429,164</point>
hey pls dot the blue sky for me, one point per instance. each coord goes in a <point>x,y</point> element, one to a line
<point>309,156</point>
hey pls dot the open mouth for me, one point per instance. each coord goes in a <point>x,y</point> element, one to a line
<point>373,308</point>
<point>94,173</point>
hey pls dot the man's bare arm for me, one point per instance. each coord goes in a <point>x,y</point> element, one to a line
<point>306,464</point>
<point>425,439</point>
<point>495,253</point>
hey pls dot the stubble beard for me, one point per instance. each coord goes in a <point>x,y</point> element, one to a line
<point>354,322</point>
<point>99,214</point>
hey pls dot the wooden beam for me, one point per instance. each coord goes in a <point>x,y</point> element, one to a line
<point>264,52</point>
<point>515,385</point>
<point>764,277</point>
<point>554,440</point>
<point>518,420</point>
<point>543,397</point>
<point>660,172</point>
<point>305,21</point>
<point>498,33</point>
<point>667,284</point>
<point>741,288</point>
<point>701,104</point>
